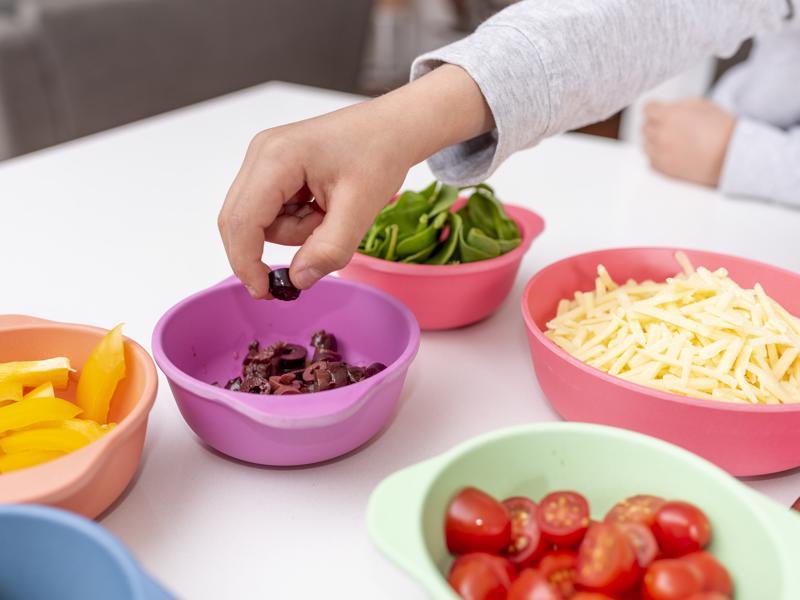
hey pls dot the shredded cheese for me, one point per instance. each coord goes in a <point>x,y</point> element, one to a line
<point>697,334</point>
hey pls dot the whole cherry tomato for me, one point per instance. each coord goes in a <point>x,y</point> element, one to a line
<point>708,596</point>
<point>715,576</point>
<point>559,568</point>
<point>527,543</point>
<point>563,518</point>
<point>481,576</point>
<point>533,585</point>
<point>476,522</point>
<point>606,561</point>
<point>642,541</point>
<point>671,579</point>
<point>681,528</point>
<point>636,509</point>
<point>590,596</point>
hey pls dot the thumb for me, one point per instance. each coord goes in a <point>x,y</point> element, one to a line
<point>332,244</point>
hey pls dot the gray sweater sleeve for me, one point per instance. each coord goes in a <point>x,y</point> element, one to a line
<point>545,67</point>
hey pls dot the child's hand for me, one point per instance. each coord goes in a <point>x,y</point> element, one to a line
<point>351,162</point>
<point>339,160</point>
<point>688,139</point>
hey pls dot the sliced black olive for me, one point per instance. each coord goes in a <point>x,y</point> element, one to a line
<point>324,340</point>
<point>374,368</point>
<point>234,384</point>
<point>281,287</point>
<point>324,354</point>
<point>293,357</point>
<point>339,377</point>
<point>254,369</point>
<point>355,373</point>
<point>322,379</point>
<point>255,385</point>
<point>286,389</point>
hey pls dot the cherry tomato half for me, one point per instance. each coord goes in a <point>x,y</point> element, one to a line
<point>671,579</point>
<point>560,568</point>
<point>533,585</point>
<point>563,518</point>
<point>481,576</point>
<point>642,541</point>
<point>606,560</point>
<point>681,528</point>
<point>715,575</point>
<point>476,522</point>
<point>527,543</point>
<point>636,509</point>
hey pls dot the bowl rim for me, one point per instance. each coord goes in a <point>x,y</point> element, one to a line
<point>554,349</point>
<point>531,223</point>
<point>342,402</point>
<point>121,556</point>
<point>86,461</point>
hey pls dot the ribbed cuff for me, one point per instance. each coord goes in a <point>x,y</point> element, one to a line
<point>521,111</point>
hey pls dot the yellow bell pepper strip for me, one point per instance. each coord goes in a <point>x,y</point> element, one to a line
<point>55,439</point>
<point>10,390</point>
<point>31,373</point>
<point>89,429</point>
<point>43,391</point>
<point>36,410</point>
<point>22,460</point>
<point>102,372</point>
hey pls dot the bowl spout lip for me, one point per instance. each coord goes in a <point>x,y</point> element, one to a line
<point>529,296</point>
<point>298,411</point>
<point>140,585</point>
<point>54,480</point>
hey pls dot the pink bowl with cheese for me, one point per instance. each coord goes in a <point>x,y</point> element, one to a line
<point>744,439</point>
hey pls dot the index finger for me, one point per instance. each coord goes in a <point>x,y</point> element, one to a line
<point>251,206</point>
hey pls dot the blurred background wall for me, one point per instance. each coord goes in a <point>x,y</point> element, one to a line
<point>69,68</point>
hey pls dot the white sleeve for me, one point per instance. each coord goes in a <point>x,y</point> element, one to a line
<point>763,162</point>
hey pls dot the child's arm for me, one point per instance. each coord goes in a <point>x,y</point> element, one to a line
<point>547,67</point>
<point>352,161</point>
<point>535,69</point>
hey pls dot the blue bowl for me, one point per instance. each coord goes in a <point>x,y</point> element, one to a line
<point>46,553</point>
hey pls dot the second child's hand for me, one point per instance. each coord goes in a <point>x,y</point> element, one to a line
<point>351,161</point>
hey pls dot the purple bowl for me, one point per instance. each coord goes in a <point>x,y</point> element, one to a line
<point>203,338</point>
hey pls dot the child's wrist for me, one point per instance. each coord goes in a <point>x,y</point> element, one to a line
<point>440,109</point>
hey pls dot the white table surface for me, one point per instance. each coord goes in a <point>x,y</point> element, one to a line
<point>121,225</point>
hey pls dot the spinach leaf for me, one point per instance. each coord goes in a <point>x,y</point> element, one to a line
<point>446,250</point>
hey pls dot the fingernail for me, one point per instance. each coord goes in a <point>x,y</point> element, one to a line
<point>306,278</point>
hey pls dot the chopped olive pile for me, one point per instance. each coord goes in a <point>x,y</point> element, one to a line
<point>284,368</point>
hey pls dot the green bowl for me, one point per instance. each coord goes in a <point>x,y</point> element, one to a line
<point>756,538</point>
